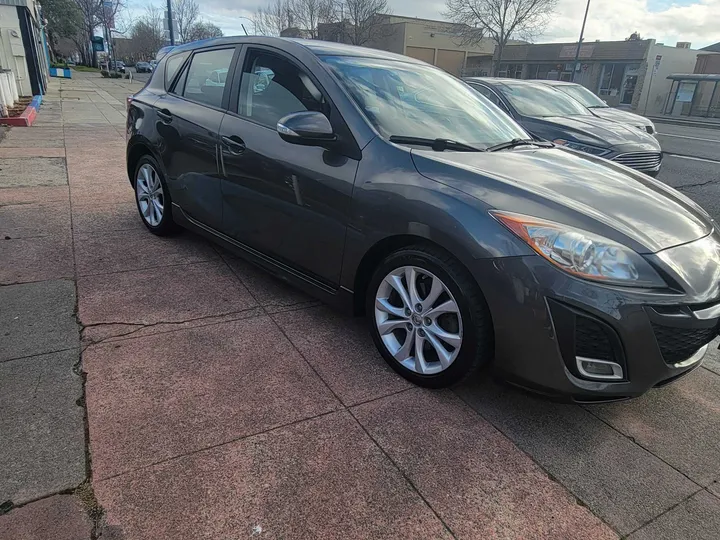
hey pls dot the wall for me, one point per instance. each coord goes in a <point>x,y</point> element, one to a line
<point>674,60</point>
<point>436,35</point>
<point>421,53</point>
<point>708,64</point>
<point>12,52</point>
<point>390,37</point>
<point>451,61</point>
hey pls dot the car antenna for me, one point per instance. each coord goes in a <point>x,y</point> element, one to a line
<point>243,27</point>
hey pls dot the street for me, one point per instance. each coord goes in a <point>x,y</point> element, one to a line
<point>162,387</point>
<point>692,163</point>
<point>140,77</point>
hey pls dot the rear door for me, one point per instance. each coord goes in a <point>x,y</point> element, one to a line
<point>287,201</point>
<point>188,119</point>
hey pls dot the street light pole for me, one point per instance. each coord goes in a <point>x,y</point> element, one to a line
<point>582,32</point>
<point>170,22</point>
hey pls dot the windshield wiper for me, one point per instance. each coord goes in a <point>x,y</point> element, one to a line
<point>519,142</point>
<point>439,145</point>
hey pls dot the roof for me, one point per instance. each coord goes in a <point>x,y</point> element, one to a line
<point>499,81</point>
<point>694,77</point>
<point>565,52</point>
<point>712,48</point>
<point>553,82</point>
<point>318,48</point>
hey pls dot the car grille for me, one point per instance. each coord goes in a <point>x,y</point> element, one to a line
<point>591,340</point>
<point>649,129</point>
<point>679,344</point>
<point>642,161</point>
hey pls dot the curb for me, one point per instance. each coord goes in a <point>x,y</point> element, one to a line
<point>683,122</point>
<point>27,118</point>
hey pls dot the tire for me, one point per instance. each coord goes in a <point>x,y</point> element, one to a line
<point>471,321</point>
<point>159,223</point>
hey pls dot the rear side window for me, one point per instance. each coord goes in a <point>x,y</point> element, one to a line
<point>171,67</point>
<point>207,75</point>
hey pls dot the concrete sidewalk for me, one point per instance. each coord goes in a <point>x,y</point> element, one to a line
<point>220,403</point>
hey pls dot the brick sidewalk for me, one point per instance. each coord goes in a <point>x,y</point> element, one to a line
<point>223,404</point>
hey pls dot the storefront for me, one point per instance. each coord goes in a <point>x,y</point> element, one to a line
<point>623,73</point>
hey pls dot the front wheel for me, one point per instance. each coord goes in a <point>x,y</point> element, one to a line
<point>428,317</point>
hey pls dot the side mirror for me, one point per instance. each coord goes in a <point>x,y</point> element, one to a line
<point>308,128</point>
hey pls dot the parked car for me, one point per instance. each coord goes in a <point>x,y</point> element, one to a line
<point>463,240</point>
<point>600,108</point>
<point>117,65</point>
<point>143,67</point>
<point>552,115</point>
<point>216,77</point>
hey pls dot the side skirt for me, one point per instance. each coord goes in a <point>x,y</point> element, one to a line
<point>341,299</point>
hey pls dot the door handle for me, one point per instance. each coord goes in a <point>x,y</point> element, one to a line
<point>235,145</point>
<point>165,116</point>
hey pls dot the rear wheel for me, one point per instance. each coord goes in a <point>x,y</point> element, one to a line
<point>153,198</point>
<point>428,317</point>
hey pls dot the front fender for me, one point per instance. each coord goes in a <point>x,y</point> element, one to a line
<point>391,199</point>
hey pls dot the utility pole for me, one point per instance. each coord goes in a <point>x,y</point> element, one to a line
<point>582,33</point>
<point>171,30</point>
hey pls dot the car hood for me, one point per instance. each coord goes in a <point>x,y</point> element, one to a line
<point>618,115</point>
<point>567,187</point>
<point>591,130</point>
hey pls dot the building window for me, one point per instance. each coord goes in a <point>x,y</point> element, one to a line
<point>619,80</point>
<point>540,71</point>
<point>513,71</point>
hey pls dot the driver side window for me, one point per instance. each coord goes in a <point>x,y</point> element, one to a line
<point>271,88</point>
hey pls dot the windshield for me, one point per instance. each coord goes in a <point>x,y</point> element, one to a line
<point>403,99</point>
<point>540,100</point>
<point>581,94</point>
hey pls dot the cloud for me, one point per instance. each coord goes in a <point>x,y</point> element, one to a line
<point>667,21</point>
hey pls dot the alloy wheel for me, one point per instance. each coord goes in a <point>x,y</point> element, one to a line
<point>418,320</point>
<point>150,196</point>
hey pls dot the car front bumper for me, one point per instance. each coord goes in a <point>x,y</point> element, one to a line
<point>548,323</point>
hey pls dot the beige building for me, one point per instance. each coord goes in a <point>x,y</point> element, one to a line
<point>434,42</point>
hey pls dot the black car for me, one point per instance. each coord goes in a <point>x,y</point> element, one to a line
<point>385,186</point>
<point>552,115</point>
<point>143,67</point>
<point>118,66</point>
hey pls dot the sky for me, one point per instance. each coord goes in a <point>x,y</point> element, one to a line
<point>667,21</point>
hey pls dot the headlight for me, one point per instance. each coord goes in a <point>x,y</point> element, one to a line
<point>581,253</point>
<point>587,148</point>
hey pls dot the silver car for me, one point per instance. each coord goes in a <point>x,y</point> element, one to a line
<point>601,109</point>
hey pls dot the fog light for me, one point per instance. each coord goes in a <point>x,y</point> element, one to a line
<point>599,369</point>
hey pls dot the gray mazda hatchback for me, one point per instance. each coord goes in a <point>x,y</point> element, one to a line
<point>388,188</point>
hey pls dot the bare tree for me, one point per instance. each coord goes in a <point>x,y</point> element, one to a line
<point>366,20</point>
<point>307,14</point>
<point>148,33</point>
<point>500,20</point>
<point>273,19</point>
<point>203,30</point>
<point>185,13</point>
<point>90,10</point>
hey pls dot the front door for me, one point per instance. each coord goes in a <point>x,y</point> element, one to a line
<point>188,122</point>
<point>289,202</point>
